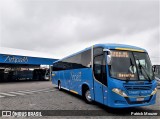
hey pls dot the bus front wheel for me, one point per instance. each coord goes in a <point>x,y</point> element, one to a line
<point>87,96</point>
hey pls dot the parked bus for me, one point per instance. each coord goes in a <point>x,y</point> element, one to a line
<point>115,75</point>
<point>157,73</point>
<point>157,70</point>
<point>16,75</point>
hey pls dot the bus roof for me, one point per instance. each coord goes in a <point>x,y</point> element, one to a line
<point>110,46</point>
<point>120,47</point>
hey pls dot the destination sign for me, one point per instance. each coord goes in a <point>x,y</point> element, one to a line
<point>125,75</point>
<point>119,54</point>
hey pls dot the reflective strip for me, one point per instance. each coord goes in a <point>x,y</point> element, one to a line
<point>130,49</point>
<point>73,91</point>
<point>7,94</point>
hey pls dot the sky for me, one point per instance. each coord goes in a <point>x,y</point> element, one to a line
<point>63,27</point>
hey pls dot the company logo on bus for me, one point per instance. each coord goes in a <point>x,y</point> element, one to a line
<point>140,93</point>
<point>76,76</point>
<point>13,59</point>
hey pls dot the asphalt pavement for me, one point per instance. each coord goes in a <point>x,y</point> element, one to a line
<point>44,96</point>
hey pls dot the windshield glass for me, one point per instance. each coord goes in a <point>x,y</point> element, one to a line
<point>127,65</point>
<point>144,66</point>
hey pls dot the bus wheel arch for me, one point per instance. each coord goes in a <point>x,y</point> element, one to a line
<point>59,85</point>
<point>86,93</point>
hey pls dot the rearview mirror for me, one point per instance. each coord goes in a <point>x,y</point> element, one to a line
<point>109,58</point>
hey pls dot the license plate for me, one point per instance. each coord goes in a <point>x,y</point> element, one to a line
<point>140,99</point>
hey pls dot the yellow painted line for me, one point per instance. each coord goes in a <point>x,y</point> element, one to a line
<point>73,91</point>
<point>130,49</point>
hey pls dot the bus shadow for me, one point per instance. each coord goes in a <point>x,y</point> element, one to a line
<point>109,110</point>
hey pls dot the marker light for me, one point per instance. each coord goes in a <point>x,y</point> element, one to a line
<point>119,92</point>
<point>154,91</point>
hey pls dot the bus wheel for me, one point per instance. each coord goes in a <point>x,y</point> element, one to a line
<point>87,96</point>
<point>59,85</point>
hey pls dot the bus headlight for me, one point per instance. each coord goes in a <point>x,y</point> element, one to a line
<point>119,92</point>
<point>154,91</point>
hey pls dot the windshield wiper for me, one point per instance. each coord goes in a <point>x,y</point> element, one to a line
<point>129,77</point>
<point>141,67</point>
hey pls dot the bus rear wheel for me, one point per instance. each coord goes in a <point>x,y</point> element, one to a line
<point>59,85</point>
<point>87,96</point>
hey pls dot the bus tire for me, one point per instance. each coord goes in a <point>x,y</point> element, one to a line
<point>87,96</point>
<point>59,85</point>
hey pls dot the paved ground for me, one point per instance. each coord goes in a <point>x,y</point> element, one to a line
<point>42,95</point>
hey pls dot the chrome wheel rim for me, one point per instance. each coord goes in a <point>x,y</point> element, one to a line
<point>88,96</point>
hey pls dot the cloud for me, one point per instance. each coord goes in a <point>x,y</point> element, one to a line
<point>62,27</point>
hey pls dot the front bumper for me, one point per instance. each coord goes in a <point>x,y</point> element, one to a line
<point>117,101</point>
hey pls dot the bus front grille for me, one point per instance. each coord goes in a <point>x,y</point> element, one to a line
<point>138,87</point>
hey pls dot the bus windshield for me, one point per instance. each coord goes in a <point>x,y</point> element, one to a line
<point>127,65</point>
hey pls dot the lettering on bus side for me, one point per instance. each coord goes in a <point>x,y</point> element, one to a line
<point>76,76</point>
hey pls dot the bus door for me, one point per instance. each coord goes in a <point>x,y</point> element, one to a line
<point>98,69</point>
<point>99,74</point>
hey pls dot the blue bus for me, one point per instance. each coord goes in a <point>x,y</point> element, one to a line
<point>115,75</point>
